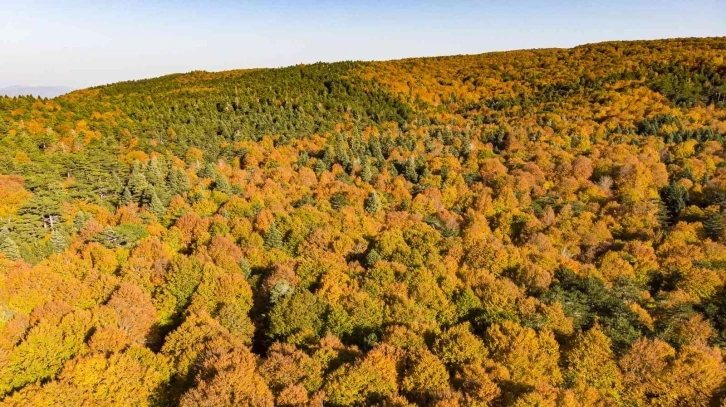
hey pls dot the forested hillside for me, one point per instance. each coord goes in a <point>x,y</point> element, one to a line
<point>528,228</point>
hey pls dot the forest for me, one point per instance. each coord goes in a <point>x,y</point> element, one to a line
<point>527,228</point>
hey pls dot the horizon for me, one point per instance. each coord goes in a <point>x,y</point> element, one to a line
<point>79,44</point>
<point>69,89</point>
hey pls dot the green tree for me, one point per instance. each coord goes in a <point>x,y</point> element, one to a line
<point>675,198</point>
<point>126,196</point>
<point>58,241</point>
<point>154,174</point>
<point>137,185</point>
<point>273,238</point>
<point>8,245</point>
<point>178,181</point>
<point>713,226</point>
<point>338,200</point>
<point>373,203</point>
<point>411,172</point>
<point>3,127</point>
<point>155,205</point>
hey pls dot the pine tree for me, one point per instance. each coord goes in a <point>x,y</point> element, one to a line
<point>273,238</point>
<point>366,174</point>
<point>713,226</point>
<point>137,184</point>
<point>374,145</point>
<point>338,201</point>
<point>58,241</point>
<point>178,181</point>
<point>341,151</point>
<point>126,196</point>
<point>372,258</point>
<point>207,171</point>
<point>675,198</point>
<point>154,175</point>
<point>155,205</point>
<point>3,127</point>
<point>222,185</point>
<point>8,245</point>
<point>373,203</point>
<point>410,171</point>
<point>245,267</point>
<point>80,220</point>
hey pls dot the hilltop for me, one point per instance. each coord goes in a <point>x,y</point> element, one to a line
<point>38,91</point>
<point>512,228</point>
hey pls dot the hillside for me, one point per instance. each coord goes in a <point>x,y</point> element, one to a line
<point>539,227</point>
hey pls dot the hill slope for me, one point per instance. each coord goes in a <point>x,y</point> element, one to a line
<point>542,226</point>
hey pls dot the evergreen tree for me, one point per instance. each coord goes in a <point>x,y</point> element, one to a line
<point>207,171</point>
<point>372,258</point>
<point>222,185</point>
<point>410,171</point>
<point>126,196</point>
<point>342,151</point>
<point>155,205</point>
<point>338,201</point>
<point>374,145</point>
<point>675,198</point>
<point>80,220</point>
<point>662,214</point>
<point>366,174</point>
<point>320,167</point>
<point>273,238</point>
<point>3,127</point>
<point>137,184</point>
<point>245,267</point>
<point>8,245</point>
<point>373,203</point>
<point>178,181</point>
<point>713,226</point>
<point>154,175</point>
<point>58,241</point>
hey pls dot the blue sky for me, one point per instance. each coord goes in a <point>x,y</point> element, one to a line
<point>85,43</point>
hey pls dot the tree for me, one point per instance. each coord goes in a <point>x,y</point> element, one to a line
<point>58,241</point>
<point>531,357</point>
<point>228,377</point>
<point>457,346</point>
<point>297,318</point>
<point>3,127</point>
<point>591,363</point>
<point>675,198</point>
<point>8,245</point>
<point>656,373</point>
<point>713,226</point>
<point>273,238</point>
<point>178,181</point>
<point>338,200</point>
<point>411,171</point>
<point>425,377</point>
<point>366,380</point>
<point>366,174</point>
<point>153,173</point>
<point>137,185</point>
<point>126,196</point>
<point>373,203</point>
<point>155,205</point>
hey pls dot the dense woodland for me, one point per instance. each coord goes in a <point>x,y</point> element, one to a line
<point>529,228</point>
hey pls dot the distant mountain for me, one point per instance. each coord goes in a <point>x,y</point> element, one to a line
<point>40,91</point>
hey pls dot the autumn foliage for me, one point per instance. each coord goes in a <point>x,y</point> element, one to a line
<point>528,228</point>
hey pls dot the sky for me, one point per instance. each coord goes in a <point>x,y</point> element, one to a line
<point>87,43</point>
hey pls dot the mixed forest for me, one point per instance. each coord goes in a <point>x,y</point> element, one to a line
<point>528,228</point>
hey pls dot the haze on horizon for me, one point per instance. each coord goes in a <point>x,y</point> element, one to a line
<point>82,43</point>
